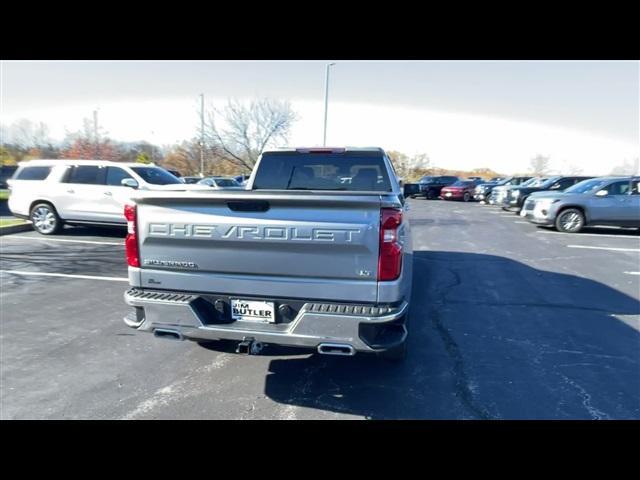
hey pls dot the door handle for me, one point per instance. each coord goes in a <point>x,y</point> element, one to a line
<point>70,191</point>
<point>108,193</point>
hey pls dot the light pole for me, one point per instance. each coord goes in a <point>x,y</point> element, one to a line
<point>202,134</point>
<point>153,135</point>
<point>326,103</point>
<point>95,133</point>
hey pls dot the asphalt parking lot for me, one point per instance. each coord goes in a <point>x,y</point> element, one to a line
<point>508,321</point>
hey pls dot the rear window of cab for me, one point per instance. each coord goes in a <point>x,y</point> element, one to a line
<point>349,171</point>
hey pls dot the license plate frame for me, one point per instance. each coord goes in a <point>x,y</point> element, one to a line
<point>256,311</point>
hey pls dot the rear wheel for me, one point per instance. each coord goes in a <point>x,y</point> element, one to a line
<point>570,220</point>
<point>45,219</point>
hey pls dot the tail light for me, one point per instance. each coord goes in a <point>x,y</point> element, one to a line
<point>131,242</point>
<point>390,256</point>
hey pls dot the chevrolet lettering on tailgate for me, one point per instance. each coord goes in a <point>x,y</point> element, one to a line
<point>249,232</point>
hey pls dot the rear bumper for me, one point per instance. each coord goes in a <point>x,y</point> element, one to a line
<point>365,328</point>
<point>18,206</point>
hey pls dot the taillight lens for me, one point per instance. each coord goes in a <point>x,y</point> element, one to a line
<point>390,256</point>
<point>131,242</point>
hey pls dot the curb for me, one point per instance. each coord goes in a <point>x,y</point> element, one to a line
<point>23,227</point>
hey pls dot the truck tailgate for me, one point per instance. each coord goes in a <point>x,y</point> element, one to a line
<point>293,244</point>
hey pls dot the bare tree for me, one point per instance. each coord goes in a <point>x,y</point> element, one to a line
<point>409,168</point>
<point>540,164</point>
<point>420,162</point>
<point>184,157</point>
<point>241,132</point>
<point>26,134</point>
<point>629,167</point>
<point>400,163</point>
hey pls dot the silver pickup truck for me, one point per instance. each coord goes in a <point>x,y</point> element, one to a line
<point>315,253</point>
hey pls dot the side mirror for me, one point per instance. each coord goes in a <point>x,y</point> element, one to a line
<point>602,193</point>
<point>129,182</point>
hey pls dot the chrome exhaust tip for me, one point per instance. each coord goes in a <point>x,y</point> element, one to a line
<point>336,349</point>
<point>168,334</point>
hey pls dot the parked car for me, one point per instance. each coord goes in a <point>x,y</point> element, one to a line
<point>6,172</point>
<point>255,266</point>
<point>515,196</point>
<point>242,179</point>
<point>52,193</point>
<point>460,190</point>
<point>411,190</point>
<point>482,190</point>
<point>220,182</point>
<point>190,180</point>
<point>475,178</point>
<point>605,201</point>
<point>430,186</point>
<point>498,191</point>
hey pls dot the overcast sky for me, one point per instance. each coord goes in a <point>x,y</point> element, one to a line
<point>463,114</point>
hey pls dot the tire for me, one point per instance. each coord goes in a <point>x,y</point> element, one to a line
<point>45,219</point>
<point>466,197</point>
<point>570,220</point>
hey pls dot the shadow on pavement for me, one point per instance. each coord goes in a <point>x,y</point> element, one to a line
<point>66,258</point>
<point>622,232</point>
<point>93,231</point>
<point>229,346</point>
<point>490,338</point>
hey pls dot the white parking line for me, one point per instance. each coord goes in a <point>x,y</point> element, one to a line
<point>637,238</point>
<point>520,221</point>
<point>66,275</point>
<point>65,240</point>
<point>632,273</point>
<point>606,248</point>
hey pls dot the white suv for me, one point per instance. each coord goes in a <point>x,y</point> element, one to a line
<point>51,193</point>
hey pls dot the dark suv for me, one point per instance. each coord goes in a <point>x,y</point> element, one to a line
<point>516,196</point>
<point>6,172</point>
<point>430,186</point>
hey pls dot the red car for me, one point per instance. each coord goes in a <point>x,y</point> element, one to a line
<point>461,190</point>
